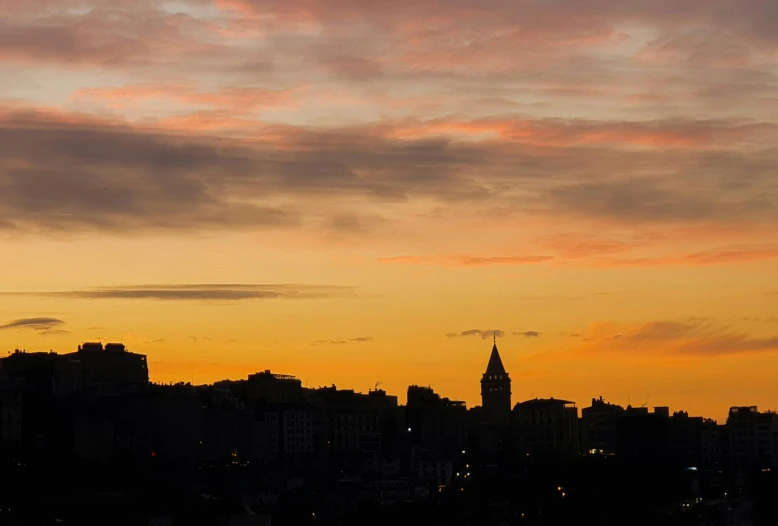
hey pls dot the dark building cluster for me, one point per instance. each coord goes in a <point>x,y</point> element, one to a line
<point>85,435</point>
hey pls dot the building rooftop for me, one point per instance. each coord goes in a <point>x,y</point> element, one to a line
<point>546,401</point>
<point>267,374</point>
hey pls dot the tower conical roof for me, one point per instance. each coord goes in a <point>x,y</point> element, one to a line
<point>495,362</point>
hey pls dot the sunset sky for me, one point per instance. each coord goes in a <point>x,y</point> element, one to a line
<point>358,191</point>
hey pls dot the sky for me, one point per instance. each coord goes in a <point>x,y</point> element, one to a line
<point>366,193</point>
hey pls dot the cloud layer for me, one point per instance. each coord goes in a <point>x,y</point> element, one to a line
<point>45,326</point>
<point>484,334</point>
<point>202,292</point>
<point>696,337</point>
<point>259,114</point>
<point>361,339</point>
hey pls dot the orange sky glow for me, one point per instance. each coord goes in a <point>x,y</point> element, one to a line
<point>358,192</point>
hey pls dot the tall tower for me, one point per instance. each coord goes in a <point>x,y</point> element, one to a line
<point>496,388</point>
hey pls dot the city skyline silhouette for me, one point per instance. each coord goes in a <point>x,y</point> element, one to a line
<point>96,410</point>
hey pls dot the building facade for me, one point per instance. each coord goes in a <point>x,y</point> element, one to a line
<point>545,428</point>
<point>598,427</point>
<point>753,439</point>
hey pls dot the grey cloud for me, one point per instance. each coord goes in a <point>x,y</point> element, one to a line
<point>655,200</point>
<point>355,223</point>
<point>124,180</point>
<point>751,18</point>
<point>528,334</point>
<point>119,179</point>
<point>89,180</point>
<point>484,334</point>
<point>362,339</point>
<point>45,326</point>
<point>107,34</point>
<point>203,292</point>
<point>53,332</point>
<point>398,41</point>
<point>570,334</point>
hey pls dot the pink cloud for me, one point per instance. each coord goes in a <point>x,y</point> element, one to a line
<point>468,261</point>
<point>561,132</point>
<point>721,256</point>
<point>231,98</point>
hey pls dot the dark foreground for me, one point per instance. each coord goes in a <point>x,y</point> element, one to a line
<point>591,492</point>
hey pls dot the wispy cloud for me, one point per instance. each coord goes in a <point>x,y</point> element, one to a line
<point>362,339</point>
<point>202,292</point>
<point>695,337</point>
<point>45,326</point>
<point>708,257</point>
<point>571,334</point>
<point>484,334</point>
<point>467,261</point>
<point>528,334</point>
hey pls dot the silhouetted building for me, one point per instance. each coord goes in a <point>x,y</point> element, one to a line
<point>435,423</point>
<point>432,467</point>
<point>100,370</point>
<point>269,388</point>
<point>150,422</point>
<point>496,389</point>
<point>486,439</point>
<point>293,432</point>
<point>358,426</point>
<point>228,423</point>
<point>545,428</point>
<point>10,414</point>
<point>693,440</point>
<point>753,438</point>
<point>598,427</point>
<point>642,437</point>
<point>33,370</point>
